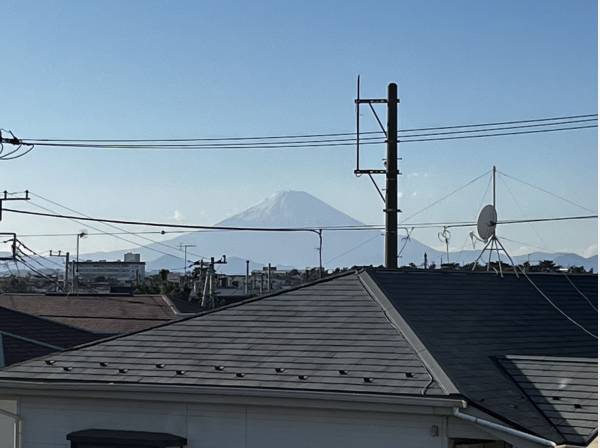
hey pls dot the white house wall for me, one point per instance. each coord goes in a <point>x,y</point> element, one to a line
<point>47,421</point>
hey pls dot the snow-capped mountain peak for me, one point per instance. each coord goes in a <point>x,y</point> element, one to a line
<point>290,209</point>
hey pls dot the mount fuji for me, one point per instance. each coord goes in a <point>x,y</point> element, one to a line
<point>299,249</point>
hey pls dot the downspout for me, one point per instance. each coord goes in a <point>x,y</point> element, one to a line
<point>18,425</point>
<point>505,429</point>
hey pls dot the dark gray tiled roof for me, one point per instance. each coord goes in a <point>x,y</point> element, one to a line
<point>24,336</point>
<point>467,319</point>
<point>16,350</point>
<point>565,390</point>
<point>329,336</point>
<point>42,330</point>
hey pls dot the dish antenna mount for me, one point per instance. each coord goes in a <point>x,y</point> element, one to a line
<point>486,229</point>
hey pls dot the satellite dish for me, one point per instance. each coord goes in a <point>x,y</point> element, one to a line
<point>486,223</point>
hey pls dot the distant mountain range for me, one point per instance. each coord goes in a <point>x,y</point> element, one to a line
<point>299,249</point>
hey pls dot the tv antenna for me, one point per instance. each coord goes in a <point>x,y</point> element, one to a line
<point>486,229</point>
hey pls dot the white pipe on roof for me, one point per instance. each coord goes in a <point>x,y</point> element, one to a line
<point>18,425</point>
<point>505,429</point>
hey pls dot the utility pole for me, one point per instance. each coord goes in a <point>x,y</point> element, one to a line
<point>391,167</point>
<point>320,233</point>
<point>75,286</point>
<point>5,197</point>
<point>185,248</point>
<point>13,246</point>
<point>247,277</point>
<point>208,293</point>
<point>66,257</point>
<point>269,284</point>
<point>391,180</point>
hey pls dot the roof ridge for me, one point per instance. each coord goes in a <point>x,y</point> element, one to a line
<point>375,290</point>
<point>409,270</point>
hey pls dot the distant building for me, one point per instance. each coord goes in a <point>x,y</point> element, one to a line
<point>174,277</point>
<point>130,257</point>
<point>131,271</point>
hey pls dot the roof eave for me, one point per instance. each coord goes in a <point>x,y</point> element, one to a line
<point>235,395</point>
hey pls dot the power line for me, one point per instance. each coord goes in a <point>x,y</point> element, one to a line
<point>116,227</point>
<point>557,218</point>
<point>49,260</point>
<point>537,131</point>
<point>22,244</point>
<point>555,306</point>
<point>374,140</point>
<point>78,220</point>
<point>31,268</point>
<point>502,123</point>
<point>147,232</point>
<point>295,145</point>
<point>317,135</point>
<point>323,140</point>
<point>315,229</point>
<point>168,225</point>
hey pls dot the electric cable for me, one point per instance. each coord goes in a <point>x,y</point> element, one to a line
<point>22,244</point>
<point>77,220</point>
<point>556,307</point>
<point>443,198</point>
<point>279,229</point>
<point>522,211</point>
<point>315,135</point>
<point>296,145</point>
<point>545,191</point>
<point>160,243</point>
<point>580,293</point>
<point>361,244</point>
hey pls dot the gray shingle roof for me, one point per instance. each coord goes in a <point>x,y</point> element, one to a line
<point>329,336</point>
<point>565,390</point>
<point>467,319</point>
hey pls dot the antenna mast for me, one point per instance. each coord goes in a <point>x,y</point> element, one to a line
<point>486,228</point>
<point>494,186</point>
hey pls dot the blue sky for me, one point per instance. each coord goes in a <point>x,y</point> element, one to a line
<point>152,69</point>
